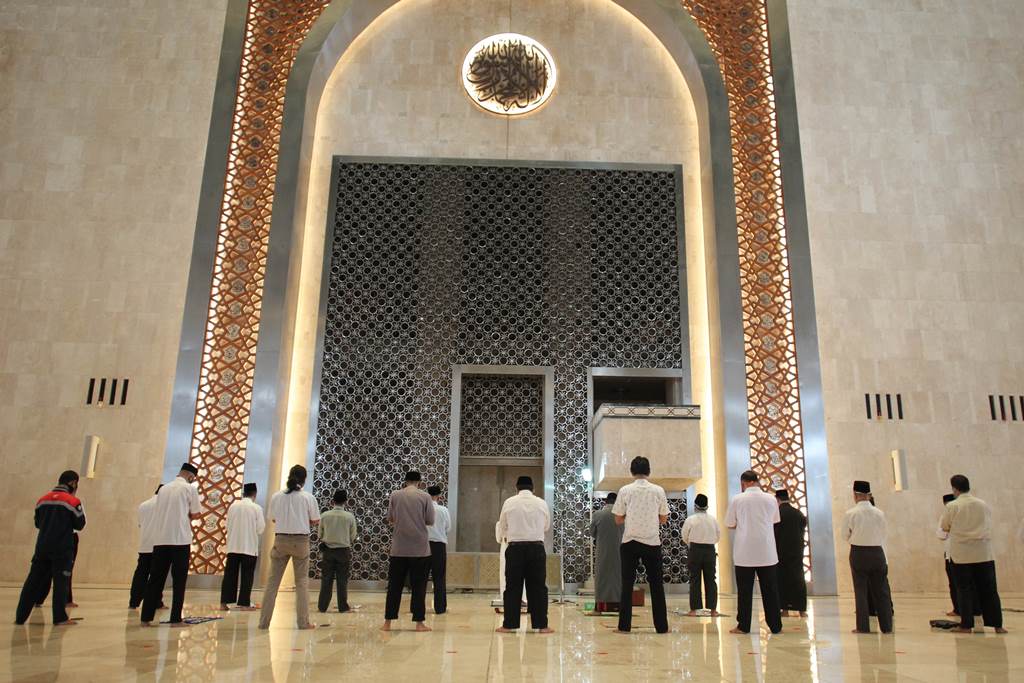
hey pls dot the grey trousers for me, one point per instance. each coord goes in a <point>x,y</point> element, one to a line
<point>294,547</point>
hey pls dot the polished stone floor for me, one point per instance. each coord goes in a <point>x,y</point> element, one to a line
<point>109,645</point>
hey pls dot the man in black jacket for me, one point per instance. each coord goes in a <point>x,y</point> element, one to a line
<point>58,516</point>
<point>789,541</point>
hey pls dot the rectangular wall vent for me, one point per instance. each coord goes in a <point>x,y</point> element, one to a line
<point>1006,407</point>
<point>884,406</point>
<point>107,392</point>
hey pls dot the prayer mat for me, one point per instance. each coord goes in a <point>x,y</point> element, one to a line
<point>944,624</point>
<point>192,621</point>
<point>700,613</point>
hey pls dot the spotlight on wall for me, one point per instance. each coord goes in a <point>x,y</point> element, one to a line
<point>89,453</point>
<point>900,476</point>
<point>587,474</point>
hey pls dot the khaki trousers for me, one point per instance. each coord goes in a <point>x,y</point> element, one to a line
<point>296,548</point>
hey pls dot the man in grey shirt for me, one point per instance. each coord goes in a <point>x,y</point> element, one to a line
<point>337,534</point>
<point>410,512</point>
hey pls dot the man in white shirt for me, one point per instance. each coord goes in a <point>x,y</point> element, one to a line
<point>968,521</point>
<point>700,534</point>
<point>437,534</point>
<point>177,505</point>
<point>140,579</point>
<point>864,528</point>
<point>951,568</point>
<point>245,523</point>
<point>753,514</point>
<point>524,520</point>
<point>641,509</point>
<point>294,513</point>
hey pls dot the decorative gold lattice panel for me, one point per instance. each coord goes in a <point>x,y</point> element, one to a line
<point>737,31</point>
<point>274,32</point>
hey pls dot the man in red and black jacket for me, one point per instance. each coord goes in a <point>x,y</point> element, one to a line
<point>59,515</point>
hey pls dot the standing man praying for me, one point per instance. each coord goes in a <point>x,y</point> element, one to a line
<point>140,579</point>
<point>245,525</point>
<point>177,505</point>
<point>968,520</point>
<point>410,512</point>
<point>437,534</point>
<point>607,535</point>
<point>753,514</point>
<point>524,520</point>
<point>641,509</point>
<point>701,534</point>
<point>864,528</point>
<point>337,535</point>
<point>58,515</point>
<point>789,542</point>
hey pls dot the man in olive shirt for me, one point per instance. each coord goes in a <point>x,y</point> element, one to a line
<point>337,534</point>
<point>410,512</point>
<point>968,520</point>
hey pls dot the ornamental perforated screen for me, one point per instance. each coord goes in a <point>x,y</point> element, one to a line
<point>433,265</point>
<point>502,416</point>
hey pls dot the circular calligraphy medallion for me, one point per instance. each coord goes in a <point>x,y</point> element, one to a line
<point>508,74</point>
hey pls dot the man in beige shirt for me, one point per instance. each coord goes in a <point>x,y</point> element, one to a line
<point>968,521</point>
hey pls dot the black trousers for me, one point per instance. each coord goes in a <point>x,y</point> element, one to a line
<point>792,586</point>
<point>46,568</point>
<point>140,579</point>
<point>701,563</point>
<point>335,564</point>
<point>416,569</point>
<point>526,564</point>
<point>977,582</point>
<point>166,558</point>
<point>438,573</point>
<point>953,597</point>
<point>74,558</point>
<point>631,555</point>
<point>769,580</point>
<point>238,566</point>
<point>871,578</point>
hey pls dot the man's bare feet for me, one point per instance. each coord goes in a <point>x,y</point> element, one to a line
<point>739,631</point>
<point>502,629</point>
<point>386,626</point>
<point>248,608</point>
<point>71,605</point>
<point>692,613</point>
<point>785,612</point>
<point>68,622</point>
<point>545,630</point>
<point>1000,630</point>
<point>147,624</point>
<point>223,608</point>
<point>803,615</point>
<point>714,613</point>
<point>953,613</point>
<point>421,627</point>
<point>307,627</point>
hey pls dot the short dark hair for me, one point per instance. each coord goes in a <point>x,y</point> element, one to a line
<point>750,476</point>
<point>610,498</point>
<point>340,496</point>
<point>960,483</point>
<point>413,475</point>
<point>640,465</point>
<point>524,483</point>
<point>67,476</point>
<point>434,490</point>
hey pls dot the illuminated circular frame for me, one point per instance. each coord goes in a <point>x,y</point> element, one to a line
<point>493,106</point>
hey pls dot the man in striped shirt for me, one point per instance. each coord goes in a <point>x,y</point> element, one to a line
<point>58,516</point>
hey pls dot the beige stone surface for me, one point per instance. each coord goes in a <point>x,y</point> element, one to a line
<point>911,116</point>
<point>672,444</point>
<point>104,109</point>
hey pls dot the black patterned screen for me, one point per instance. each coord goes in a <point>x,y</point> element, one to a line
<point>433,265</point>
<point>502,416</point>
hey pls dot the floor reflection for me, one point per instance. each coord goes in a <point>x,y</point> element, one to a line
<point>110,645</point>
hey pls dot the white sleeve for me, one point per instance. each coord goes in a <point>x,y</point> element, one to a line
<point>663,505</point>
<point>314,511</point>
<point>687,525</point>
<point>193,501</point>
<point>261,523</point>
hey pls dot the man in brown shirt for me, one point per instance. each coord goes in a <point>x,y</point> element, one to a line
<point>968,521</point>
<point>410,512</point>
